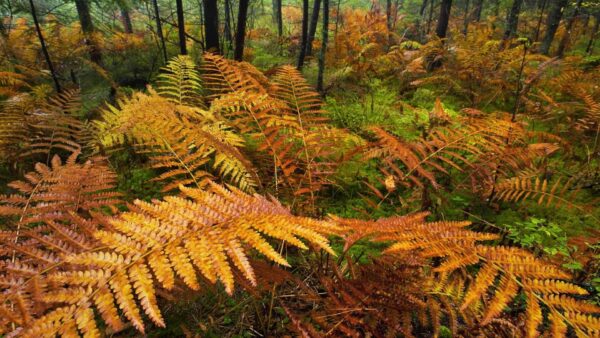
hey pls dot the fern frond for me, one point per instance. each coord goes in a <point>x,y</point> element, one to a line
<point>222,76</point>
<point>180,82</point>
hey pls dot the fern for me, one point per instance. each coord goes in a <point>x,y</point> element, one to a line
<point>181,142</point>
<point>180,82</point>
<point>156,244</point>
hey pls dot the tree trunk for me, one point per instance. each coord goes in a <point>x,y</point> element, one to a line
<point>590,45</point>
<point>159,30</point>
<point>304,39</point>
<point>240,35</point>
<point>388,14</point>
<point>312,30</point>
<point>430,20</point>
<point>181,28</point>
<point>539,24</point>
<point>442,26</point>
<point>227,28</point>
<point>552,23</point>
<point>323,53</point>
<point>478,10</point>
<point>466,23</point>
<point>127,26</point>
<point>211,25</point>
<point>512,24</point>
<point>565,39</point>
<point>85,19</point>
<point>421,17</point>
<point>279,18</point>
<point>44,49</point>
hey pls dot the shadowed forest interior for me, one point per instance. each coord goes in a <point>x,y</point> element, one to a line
<point>313,168</point>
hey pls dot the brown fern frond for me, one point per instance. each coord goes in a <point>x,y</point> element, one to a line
<point>222,76</point>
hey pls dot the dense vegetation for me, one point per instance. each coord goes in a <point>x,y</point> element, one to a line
<point>407,168</point>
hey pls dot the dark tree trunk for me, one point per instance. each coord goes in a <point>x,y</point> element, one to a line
<point>127,26</point>
<point>565,39</point>
<point>421,17</point>
<point>552,23</point>
<point>181,28</point>
<point>240,36</point>
<point>388,14</point>
<point>512,23</point>
<point>478,10</point>
<point>211,25</point>
<point>539,24</point>
<point>159,30</point>
<point>44,49</point>
<point>279,18</point>
<point>590,45</point>
<point>85,19</point>
<point>323,53</point>
<point>442,26</point>
<point>304,39</point>
<point>430,19</point>
<point>227,28</point>
<point>312,30</point>
<point>466,23</point>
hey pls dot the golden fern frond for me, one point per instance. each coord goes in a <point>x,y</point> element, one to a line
<point>541,191</point>
<point>11,83</point>
<point>222,76</point>
<point>180,82</point>
<point>504,271</point>
<point>203,234</point>
<point>181,142</point>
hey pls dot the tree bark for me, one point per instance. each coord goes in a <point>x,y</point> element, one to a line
<point>159,30</point>
<point>127,25</point>
<point>478,10</point>
<point>566,37</point>
<point>240,36</point>
<point>279,18</point>
<point>430,19</point>
<point>44,49</point>
<point>323,53</point>
<point>388,14</point>
<point>466,23</point>
<point>87,26</point>
<point>227,28</point>
<point>539,24</point>
<point>304,40</point>
<point>590,45</point>
<point>442,26</point>
<point>211,25</point>
<point>181,28</point>
<point>421,17</point>
<point>552,23</point>
<point>512,24</point>
<point>312,30</point>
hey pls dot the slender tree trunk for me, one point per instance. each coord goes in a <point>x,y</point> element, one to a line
<point>44,49</point>
<point>312,30</point>
<point>323,53</point>
<point>430,19</point>
<point>227,27</point>
<point>181,28</point>
<point>442,26</point>
<point>466,23</point>
<point>552,24</point>
<point>159,30</point>
<point>421,17</point>
<point>388,14</point>
<point>512,24</point>
<point>590,45</point>
<point>304,40</point>
<point>279,19</point>
<point>478,10</point>
<point>211,25</point>
<point>87,26</point>
<point>539,23</point>
<point>565,39</point>
<point>240,35</point>
<point>127,26</point>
